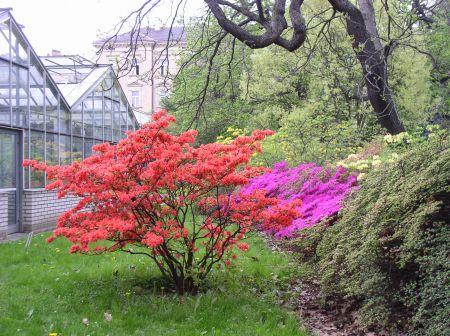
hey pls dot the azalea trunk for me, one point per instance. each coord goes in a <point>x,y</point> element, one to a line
<point>182,282</point>
<point>186,286</point>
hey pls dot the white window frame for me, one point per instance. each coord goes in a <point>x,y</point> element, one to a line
<point>135,98</point>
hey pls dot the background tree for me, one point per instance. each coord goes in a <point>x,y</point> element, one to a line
<point>273,21</point>
<point>209,80</point>
<point>368,35</point>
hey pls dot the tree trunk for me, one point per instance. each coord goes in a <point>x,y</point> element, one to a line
<point>186,285</point>
<point>370,54</point>
<point>366,44</point>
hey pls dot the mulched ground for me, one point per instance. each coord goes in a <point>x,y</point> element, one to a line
<point>338,319</point>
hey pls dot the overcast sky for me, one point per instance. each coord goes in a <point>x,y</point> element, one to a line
<point>72,25</point>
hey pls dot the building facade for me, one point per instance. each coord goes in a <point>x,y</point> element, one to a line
<point>145,69</point>
<point>52,109</point>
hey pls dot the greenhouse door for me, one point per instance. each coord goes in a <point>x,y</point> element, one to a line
<point>10,175</point>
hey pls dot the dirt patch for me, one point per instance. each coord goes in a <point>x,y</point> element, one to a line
<point>339,320</point>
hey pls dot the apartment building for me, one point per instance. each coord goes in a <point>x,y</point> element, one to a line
<point>145,66</point>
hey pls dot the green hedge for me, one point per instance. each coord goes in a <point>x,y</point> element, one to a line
<point>389,251</point>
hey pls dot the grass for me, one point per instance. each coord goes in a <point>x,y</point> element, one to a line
<point>45,290</point>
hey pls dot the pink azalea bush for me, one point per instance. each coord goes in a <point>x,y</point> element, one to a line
<point>322,191</point>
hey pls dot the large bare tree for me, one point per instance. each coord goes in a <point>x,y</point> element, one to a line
<point>283,24</point>
<point>261,23</point>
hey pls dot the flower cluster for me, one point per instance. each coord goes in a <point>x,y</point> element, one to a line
<point>173,201</point>
<point>320,191</point>
<point>362,164</point>
<point>229,135</point>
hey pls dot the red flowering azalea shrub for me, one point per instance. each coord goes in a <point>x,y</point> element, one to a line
<point>154,194</point>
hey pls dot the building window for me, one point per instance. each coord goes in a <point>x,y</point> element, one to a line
<point>135,99</point>
<point>135,67</point>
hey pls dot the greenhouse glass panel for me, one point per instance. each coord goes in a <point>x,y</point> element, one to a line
<point>123,116</point>
<point>98,113</point>
<point>7,160</point>
<point>5,106</point>
<point>64,119</point>
<point>77,149</point>
<point>64,149</point>
<point>4,39</point>
<point>19,52</point>
<point>36,96</point>
<point>26,155</point>
<point>51,107</point>
<point>19,96</point>
<point>116,121</point>
<point>37,179</point>
<point>88,115</point>
<point>88,143</point>
<point>51,154</point>
<point>77,120</point>
<point>108,120</point>
<point>116,114</point>
<point>129,122</point>
<point>51,147</point>
<point>107,86</point>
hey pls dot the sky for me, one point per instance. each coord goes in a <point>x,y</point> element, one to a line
<point>72,25</point>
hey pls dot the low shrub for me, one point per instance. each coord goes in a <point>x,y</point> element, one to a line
<point>320,190</point>
<point>389,148</point>
<point>389,250</point>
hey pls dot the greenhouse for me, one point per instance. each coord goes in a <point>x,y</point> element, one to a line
<point>52,109</point>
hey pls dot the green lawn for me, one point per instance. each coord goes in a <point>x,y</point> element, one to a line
<point>45,290</point>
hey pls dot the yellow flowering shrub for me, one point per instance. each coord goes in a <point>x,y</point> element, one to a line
<point>230,134</point>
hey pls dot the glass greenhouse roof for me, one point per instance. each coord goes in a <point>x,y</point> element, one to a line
<point>60,106</point>
<point>68,69</point>
<point>73,91</point>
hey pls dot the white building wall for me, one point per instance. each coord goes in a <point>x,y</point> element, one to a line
<point>149,88</point>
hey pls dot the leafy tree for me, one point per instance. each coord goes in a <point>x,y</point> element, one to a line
<point>361,39</point>
<point>203,85</point>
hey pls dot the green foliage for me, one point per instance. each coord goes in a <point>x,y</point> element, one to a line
<point>315,97</point>
<point>386,149</point>
<point>206,93</point>
<point>389,250</point>
<point>412,87</point>
<point>311,134</point>
<point>437,42</point>
<point>43,291</point>
<point>229,135</point>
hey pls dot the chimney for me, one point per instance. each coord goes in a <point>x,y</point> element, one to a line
<point>56,52</point>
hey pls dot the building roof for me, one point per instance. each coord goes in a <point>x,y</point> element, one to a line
<point>74,75</point>
<point>148,34</point>
<point>67,69</point>
<point>74,91</point>
<point>71,78</point>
